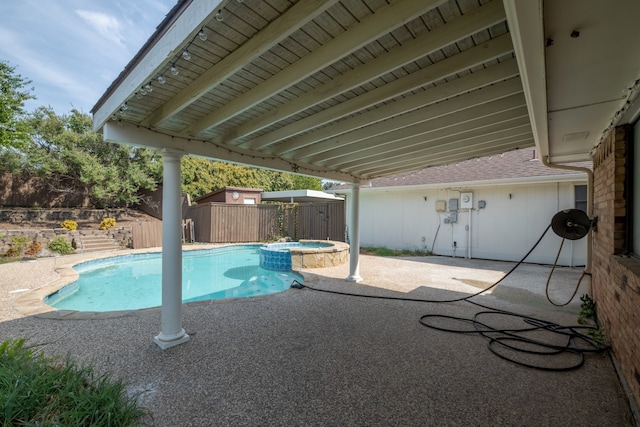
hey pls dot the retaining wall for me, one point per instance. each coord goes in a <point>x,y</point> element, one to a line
<point>122,236</point>
<point>21,216</point>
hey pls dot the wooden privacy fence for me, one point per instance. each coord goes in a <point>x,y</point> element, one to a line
<point>149,234</point>
<point>146,234</point>
<point>227,223</point>
<point>321,221</point>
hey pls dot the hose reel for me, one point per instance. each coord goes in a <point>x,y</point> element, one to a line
<point>571,224</point>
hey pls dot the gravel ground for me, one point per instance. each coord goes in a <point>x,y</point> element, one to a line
<point>307,358</point>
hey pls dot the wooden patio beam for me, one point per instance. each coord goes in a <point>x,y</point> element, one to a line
<point>385,19</point>
<point>438,127</point>
<point>464,142</point>
<point>299,14</point>
<point>318,141</point>
<point>454,111</point>
<point>464,26</point>
<point>477,55</point>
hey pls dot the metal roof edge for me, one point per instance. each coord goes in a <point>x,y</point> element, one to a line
<point>578,177</point>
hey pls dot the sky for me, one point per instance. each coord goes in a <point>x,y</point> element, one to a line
<point>72,50</point>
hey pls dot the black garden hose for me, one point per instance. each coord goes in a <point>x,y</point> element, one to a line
<point>509,343</point>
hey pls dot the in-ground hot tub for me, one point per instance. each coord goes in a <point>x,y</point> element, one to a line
<point>288,256</point>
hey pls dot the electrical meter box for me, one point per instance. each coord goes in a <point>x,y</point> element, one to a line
<point>441,206</point>
<point>453,205</point>
<point>466,200</point>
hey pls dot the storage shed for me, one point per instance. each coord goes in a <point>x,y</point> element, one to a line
<point>232,195</point>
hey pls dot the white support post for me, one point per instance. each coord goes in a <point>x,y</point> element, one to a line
<point>354,235</point>
<point>172,332</point>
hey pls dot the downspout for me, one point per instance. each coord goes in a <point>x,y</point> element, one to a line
<point>589,172</point>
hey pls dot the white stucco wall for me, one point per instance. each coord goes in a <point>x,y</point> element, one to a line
<point>506,229</point>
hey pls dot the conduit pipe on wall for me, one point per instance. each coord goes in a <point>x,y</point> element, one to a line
<point>589,172</point>
<point>469,236</point>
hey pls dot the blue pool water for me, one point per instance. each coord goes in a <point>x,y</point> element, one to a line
<point>132,282</point>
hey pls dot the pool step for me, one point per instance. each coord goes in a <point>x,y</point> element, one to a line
<point>94,243</point>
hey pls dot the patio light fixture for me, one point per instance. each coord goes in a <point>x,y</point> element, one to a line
<point>173,69</point>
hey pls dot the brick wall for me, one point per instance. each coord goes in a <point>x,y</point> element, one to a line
<point>615,276</point>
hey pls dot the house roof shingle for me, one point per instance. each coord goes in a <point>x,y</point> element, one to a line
<point>515,164</point>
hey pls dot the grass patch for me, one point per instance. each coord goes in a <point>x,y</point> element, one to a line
<point>37,390</point>
<point>382,251</point>
<point>8,259</point>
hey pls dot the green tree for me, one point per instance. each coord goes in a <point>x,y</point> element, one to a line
<point>201,176</point>
<point>326,185</point>
<point>302,182</point>
<point>70,157</point>
<point>14,131</point>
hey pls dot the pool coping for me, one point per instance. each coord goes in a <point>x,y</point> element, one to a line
<point>32,303</point>
<point>332,253</point>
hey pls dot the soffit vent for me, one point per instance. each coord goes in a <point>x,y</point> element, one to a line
<point>577,136</point>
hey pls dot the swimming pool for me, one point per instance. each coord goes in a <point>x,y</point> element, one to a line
<point>133,282</point>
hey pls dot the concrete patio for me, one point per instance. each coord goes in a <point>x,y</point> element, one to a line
<point>305,358</point>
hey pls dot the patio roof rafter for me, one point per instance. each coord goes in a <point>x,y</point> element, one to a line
<point>470,140</point>
<point>473,119</point>
<point>301,12</point>
<point>313,142</point>
<point>419,47</point>
<point>476,56</point>
<point>309,97</point>
<point>295,81</point>
<point>428,119</point>
<point>387,18</point>
<point>477,127</point>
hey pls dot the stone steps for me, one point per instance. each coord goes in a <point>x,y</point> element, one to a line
<point>95,243</point>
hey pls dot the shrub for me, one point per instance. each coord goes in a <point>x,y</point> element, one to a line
<point>18,245</point>
<point>107,223</point>
<point>37,390</point>
<point>69,224</point>
<point>34,248</point>
<point>60,245</point>
<point>588,315</point>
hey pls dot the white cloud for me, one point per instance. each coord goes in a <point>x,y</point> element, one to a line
<point>72,50</point>
<point>106,25</point>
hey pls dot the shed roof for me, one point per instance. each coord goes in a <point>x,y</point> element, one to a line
<point>303,196</point>
<point>227,189</point>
